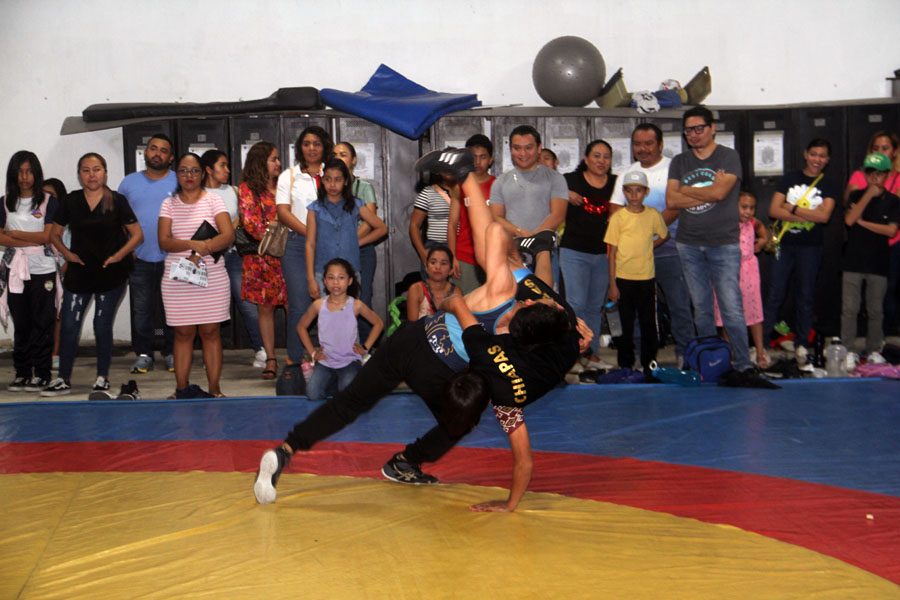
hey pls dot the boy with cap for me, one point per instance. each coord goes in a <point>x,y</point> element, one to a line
<point>872,218</point>
<point>632,235</point>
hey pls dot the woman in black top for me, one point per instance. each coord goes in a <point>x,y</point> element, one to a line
<point>582,254</point>
<point>104,234</point>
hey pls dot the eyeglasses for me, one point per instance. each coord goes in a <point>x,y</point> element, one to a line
<point>194,171</point>
<point>696,129</point>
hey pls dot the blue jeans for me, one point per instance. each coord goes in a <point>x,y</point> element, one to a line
<point>234,264</point>
<point>146,300</point>
<point>293,268</point>
<point>72,317</point>
<point>708,268</point>
<point>796,266</point>
<point>321,383</point>
<point>367,264</point>
<point>586,278</point>
<point>670,277</point>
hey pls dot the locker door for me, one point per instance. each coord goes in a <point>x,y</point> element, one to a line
<point>246,131</point>
<point>200,135</point>
<point>135,138</point>
<point>862,122</point>
<point>291,126</point>
<point>768,152</point>
<point>454,131</point>
<point>567,137</point>
<point>400,259</point>
<point>617,132</point>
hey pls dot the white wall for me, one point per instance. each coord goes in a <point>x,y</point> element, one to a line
<point>57,56</point>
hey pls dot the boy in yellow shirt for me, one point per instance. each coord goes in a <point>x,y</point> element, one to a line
<point>631,235</point>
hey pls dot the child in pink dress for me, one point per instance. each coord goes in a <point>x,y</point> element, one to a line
<point>753,240</point>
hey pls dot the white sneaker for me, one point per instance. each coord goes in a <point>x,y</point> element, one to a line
<point>875,358</point>
<point>259,359</point>
<point>802,355</point>
<point>851,361</point>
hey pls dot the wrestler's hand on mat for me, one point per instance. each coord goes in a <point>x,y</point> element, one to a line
<point>586,335</point>
<point>492,506</point>
<point>455,162</point>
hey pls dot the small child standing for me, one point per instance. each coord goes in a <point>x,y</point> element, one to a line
<point>338,356</point>
<point>753,239</point>
<point>632,234</point>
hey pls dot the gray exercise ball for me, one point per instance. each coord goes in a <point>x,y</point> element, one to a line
<point>568,71</point>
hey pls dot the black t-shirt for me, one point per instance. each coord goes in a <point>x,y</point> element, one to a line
<point>96,235</point>
<point>794,185</point>
<point>586,224</point>
<point>518,378</point>
<point>867,251</point>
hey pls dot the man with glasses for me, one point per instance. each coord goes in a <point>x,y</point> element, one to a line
<point>145,191</point>
<point>704,185</point>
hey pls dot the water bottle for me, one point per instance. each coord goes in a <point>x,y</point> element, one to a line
<point>673,375</point>
<point>612,319</point>
<point>835,354</point>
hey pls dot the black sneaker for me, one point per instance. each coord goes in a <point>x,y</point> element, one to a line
<point>531,246</point>
<point>129,391</point>
<point>270,467</point>
<point>18,384</point>
<point>57,387</point>
<point>191,392</point>
<point>101,384</point>
<point>399,470</point>
<point>36,384</point>
<point>456,162</point>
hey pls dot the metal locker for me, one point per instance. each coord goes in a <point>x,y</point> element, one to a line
<point>246,131</point>
<point>862,121</point>
<point>568,138</point>
<point>291,126</point>
<point>399,158</point>
<point>455,131</point>
<point>200,135</point>
<point>135,138</point>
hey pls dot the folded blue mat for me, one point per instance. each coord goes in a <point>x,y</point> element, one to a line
<point>393,101</point>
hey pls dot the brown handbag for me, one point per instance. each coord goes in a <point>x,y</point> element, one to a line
<point>274,240</point>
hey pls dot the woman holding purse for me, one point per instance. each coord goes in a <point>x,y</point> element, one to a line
<point>262,282</point>
<point>194,226</point>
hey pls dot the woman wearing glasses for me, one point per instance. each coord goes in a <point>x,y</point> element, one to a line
<point>192,308</point>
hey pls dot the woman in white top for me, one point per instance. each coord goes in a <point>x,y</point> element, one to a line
<point>297,189</point>
<point>217,175</point>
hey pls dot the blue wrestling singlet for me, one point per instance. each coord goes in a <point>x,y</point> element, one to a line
<point>444,333</point>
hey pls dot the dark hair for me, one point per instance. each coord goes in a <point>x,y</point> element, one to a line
<point>465,396</point>
<point>324,137</point>
<point>482,141</point>
<point>13,193</point>
<point>106,203</point>
<point>649,127</point>
<point>163,137</point>
<point>525,130</point>
<point>551,153</point>
<point>895,140</point>
<point>208,161</point>
<point>582,166</point>
<point>820,143</point>
<point>353,289</point>
<point>256,172</point>
<point>439,248</point>
<point>178,162</point>
<point>698,111</point>
<point>59,188</point>
<point>538,324</point>
<point>346,193</point>
<point>748,192</point>
<point>349,145</point>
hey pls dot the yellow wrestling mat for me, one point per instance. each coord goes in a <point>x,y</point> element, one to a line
<point>201,535</point>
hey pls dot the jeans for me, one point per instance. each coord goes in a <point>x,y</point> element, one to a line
<point>234,264</point>
<point>367,264</point>
<point>587,278</point>
<point>801,262</point>
<point>670,277</point>
<point>851,294</point>
<point>72,312</point>
<point>890,295</point>
<point>708,268</point>
<point>293,268</point>
<point>34,315</point>
<point>324,377</point>
<point>146,301</point>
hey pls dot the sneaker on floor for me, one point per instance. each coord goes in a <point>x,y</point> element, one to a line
<point>271,465</point>
<point>399,470</point>
<point>259,359</point>
<point>101,384</point>
<point>36,384</point>
<point>192,391</point>
<point>18,384</point>
<point>143,364</point>
<point>170,363</point>
<point>100,395</point>
<point>57,387</point>
<point>129,391</point>
<point>802,355</point>
<point>875,358</point>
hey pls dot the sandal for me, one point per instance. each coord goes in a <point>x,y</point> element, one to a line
<point>270,373</point>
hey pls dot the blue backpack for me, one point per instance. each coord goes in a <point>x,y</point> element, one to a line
<point>710,356</point>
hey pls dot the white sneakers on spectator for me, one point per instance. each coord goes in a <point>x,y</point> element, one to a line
<point>259,360</point>
<point>875,358</point>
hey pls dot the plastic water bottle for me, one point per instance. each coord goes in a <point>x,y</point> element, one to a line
<point>613,321</point>
<point>835,354</point>
<point>673,375</point>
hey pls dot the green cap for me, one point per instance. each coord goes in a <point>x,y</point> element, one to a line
<point>877,161</point>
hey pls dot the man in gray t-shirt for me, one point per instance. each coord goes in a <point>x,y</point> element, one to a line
<point>704,185</point>
<point>531,197</point>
